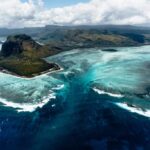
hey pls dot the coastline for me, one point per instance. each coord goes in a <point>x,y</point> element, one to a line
<point>52,70</point>
<point>55,68</point>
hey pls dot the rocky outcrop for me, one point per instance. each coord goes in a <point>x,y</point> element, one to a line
<point>22,56</point>
<point>17,44</point>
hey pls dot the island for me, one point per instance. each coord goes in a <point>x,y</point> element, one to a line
<point>22,56</point>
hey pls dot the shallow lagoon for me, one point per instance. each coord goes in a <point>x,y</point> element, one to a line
<point>100,100</point>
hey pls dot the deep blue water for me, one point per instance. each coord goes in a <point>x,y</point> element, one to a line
<point>100,101</point>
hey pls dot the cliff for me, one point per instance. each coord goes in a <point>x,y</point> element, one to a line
<point>17,44</point>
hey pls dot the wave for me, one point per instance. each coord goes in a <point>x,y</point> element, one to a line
<point>102,92</point>
<point>134,109</point>
<point>58,87</point>
<point>27,107</point>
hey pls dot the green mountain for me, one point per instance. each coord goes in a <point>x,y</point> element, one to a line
<point>22,56</point>
<point>69,37</point>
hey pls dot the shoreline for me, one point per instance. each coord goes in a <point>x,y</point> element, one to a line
<point>56,67</point>
<point>52,70</point>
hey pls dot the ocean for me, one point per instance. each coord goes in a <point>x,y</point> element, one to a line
<point>99,101</point>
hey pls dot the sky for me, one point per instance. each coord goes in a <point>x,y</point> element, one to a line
<point>59,3</point>
<point>35,13</point>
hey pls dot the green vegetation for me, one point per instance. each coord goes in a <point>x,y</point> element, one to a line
<point>22,56</point>
<point>64,38</point>
<point>24,67</point>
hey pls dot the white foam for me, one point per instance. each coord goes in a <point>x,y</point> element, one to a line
<point>102,92</point>
<point>40,43</point>
<point>58,87</point>
<point>0,47</point>
<point>27,107</point>
<point>133,109</point>
<point>54,105</point>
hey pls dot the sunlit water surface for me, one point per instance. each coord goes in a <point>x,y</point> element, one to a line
<point>101,100</point>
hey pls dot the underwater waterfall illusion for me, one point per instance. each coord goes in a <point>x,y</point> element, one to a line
<point>100,100</point>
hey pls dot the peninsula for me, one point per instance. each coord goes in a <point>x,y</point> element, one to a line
<point>22,56</point>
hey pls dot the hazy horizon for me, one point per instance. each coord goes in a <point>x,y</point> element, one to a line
<point>88,25</point>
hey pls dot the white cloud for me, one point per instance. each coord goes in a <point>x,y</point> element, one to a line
<point>14,13</point>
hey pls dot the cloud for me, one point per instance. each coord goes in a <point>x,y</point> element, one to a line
<point>14,13</point>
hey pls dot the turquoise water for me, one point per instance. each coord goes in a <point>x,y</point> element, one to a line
<point>100,100</point>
